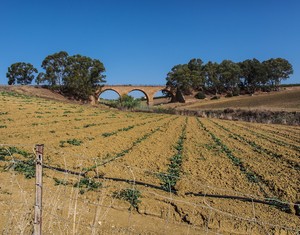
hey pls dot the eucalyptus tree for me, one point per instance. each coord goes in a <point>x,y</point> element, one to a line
<point>83,76</point>
<point>212,76</point>
<point>187,77</point>
<point>55,67</point>
<point>229,74</point>
<point>21,73</point>
<point>277,70</point>
<point>253,74</point>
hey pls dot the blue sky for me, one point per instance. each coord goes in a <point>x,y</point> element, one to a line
<point>140,41</point>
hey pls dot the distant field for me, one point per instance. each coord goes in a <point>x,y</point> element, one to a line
<point>287,100</point>
<point>144,173</point>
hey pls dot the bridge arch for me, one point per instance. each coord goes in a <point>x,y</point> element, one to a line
<point>141,90</point>
<point>149,91</point>
<point>108,89</point>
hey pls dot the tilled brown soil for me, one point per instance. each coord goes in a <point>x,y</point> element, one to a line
<point>226,177</point>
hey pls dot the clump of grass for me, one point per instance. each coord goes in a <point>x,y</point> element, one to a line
<point>12,150</point>
<point>25,167</point>
<point>130,195</point>
<point>74,142</point>
<point>60,182</point>
<point>87,184</point>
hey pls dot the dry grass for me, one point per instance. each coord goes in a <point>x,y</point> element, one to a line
<point>285,100</point>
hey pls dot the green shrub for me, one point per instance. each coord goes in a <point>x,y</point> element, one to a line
<point>87,184</point>
<point>130,195</point>
<point>229,94</point>
<point>27,168</point>
<point>200,95</point>
<point>128,102</point>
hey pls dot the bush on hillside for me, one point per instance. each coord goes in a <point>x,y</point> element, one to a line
<point>200,95</point>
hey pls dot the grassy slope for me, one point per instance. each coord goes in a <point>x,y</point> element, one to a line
<point>287,100</point>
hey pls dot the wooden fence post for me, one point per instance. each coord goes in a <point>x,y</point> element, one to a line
<point>39,150</point>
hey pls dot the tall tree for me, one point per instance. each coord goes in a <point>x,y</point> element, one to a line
<point>277,70</point>
<point>212,76</point>
<point>196,73</point>
<point>229,74</point>
<point>21,73</point>
<point>179,80</point>
<point>186,77</point>
<point>82,76</point>
<point>253,74</point>
<point>54,66</point>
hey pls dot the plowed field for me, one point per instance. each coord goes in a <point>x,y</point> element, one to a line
<point>111,172</point>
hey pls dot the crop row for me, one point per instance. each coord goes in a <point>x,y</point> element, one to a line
<point>258,148</point>
<point>107,134</point>
<point>170,178</point>
<point>269,138</point>
<point>250,174</point>
<point>286,135</point>
<point>122,153</point>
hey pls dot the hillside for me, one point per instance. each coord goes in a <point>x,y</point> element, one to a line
<point>35,91</point>
<point>284,100</point>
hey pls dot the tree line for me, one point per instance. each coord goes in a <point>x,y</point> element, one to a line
<point>76,76</point>
<point>79,76</point>
<point>228,76</point>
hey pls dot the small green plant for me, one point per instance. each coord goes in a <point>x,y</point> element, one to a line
<point>12,150</point>
<point>60,182</point>
<point>130,195</point>
<point>87,184</point>
<point>74,142</point>
<point>25,167</point>
<point>3,126</point>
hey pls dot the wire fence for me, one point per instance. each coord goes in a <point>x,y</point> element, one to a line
<point>128,200</point>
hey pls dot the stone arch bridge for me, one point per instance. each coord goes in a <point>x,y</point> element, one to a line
<point>149,91</point>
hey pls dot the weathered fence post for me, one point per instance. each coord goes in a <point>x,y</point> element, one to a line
<point>39,150</point>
